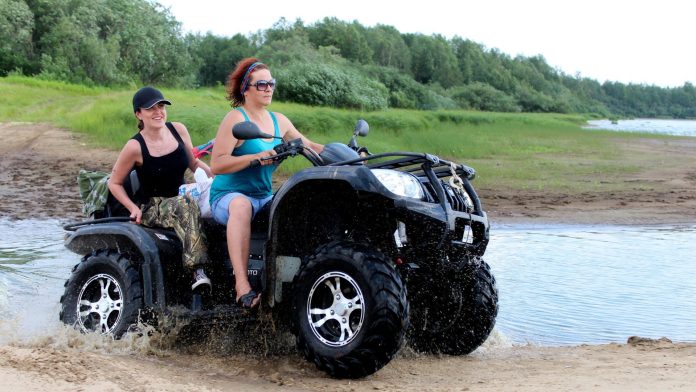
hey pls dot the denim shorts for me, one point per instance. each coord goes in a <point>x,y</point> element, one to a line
<point>221,206</point>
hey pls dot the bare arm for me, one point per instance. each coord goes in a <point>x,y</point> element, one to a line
<point>289,132</point>
<point>194,162</point>
<point>221,159</point>
<point>127,159</point>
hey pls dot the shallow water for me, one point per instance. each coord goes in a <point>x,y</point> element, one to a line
<point>558,285</point>
<point>650,125</point>
<point>563,285</point>
<point>33,267</point>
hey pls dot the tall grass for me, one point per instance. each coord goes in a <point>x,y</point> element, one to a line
<point>541,151</point>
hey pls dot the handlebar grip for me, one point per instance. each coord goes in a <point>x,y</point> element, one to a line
<point>280,148</point>
<point>255,163</point>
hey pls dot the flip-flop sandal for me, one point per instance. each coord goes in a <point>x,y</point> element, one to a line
<point>246,300</point>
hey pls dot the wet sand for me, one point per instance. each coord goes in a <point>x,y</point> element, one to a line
<point>647,365</point>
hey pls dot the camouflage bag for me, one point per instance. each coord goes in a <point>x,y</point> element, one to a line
<point>94,190</point>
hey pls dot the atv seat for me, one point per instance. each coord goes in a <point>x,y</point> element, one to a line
<point>216,233</point>
<point>259,224</point>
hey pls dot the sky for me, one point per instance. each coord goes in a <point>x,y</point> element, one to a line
<point>641,42</point>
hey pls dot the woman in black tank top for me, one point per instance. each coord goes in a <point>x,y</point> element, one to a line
<point>160,154</point>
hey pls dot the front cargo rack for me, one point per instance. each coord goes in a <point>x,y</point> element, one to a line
<point>431,167</point>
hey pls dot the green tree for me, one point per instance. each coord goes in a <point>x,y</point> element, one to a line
<point>280,31</point>
<point>110,42</point>
<point>683,100</point>
<point>74,50</point>
<point>388,47</point>
<point>349,38</point>
<point>433,60</point>
<point>216,56</point>
<point>296,48</point>
<point>152,46</point>
<point>16,29</point>
<point>471,58</point>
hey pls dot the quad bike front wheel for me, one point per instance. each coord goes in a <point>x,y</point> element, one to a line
<point>350,310</point>
<point>453,313</point>
<point>103,295</point>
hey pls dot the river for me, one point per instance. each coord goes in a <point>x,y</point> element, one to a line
<point>559,285</point>
<point>649,125</point>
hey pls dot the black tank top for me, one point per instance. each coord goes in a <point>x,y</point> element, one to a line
<point>162,176</point>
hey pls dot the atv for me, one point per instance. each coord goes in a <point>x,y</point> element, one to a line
<point>333,255</point>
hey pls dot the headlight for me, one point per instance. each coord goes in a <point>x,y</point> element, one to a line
<point>400,183</point>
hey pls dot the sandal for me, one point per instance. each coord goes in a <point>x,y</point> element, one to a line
<point>246,301</point>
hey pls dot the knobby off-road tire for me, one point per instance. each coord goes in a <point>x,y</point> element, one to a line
<point>455,312</point>
<point>350,311</point>
<point>103,294</point>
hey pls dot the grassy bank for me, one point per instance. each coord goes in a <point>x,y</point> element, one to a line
<point>519,151</point>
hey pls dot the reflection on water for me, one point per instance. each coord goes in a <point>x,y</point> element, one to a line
<point>578,284</point>
<point>559,285</point>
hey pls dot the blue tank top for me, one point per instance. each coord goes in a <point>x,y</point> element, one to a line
<point>252,181</point>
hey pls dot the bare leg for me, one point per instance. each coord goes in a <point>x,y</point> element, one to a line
<point>238,237</point>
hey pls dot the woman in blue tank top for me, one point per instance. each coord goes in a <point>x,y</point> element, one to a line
<point>240,191</point>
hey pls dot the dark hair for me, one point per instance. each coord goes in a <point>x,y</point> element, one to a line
<point>141,124</point>
<point>235,79</point>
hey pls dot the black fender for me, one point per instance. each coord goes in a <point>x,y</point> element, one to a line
<point>320,204</point>
<point>140,244</point>
<point>302,196</point>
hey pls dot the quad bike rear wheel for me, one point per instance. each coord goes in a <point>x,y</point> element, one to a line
<point>350,310</point>
<point>103,294</point>
<point>455,312</point>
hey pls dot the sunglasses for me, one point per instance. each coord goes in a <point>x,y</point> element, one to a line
<point>263,85</point>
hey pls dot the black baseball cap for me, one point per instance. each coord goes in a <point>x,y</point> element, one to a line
<point>147,97</point>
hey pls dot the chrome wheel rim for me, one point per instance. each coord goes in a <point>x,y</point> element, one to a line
<point>99,304</point>
<point>335,309</point>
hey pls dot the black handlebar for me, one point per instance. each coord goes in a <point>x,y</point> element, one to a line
<point>283,150</point>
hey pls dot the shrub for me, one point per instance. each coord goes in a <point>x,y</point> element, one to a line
<point>330,85</point>
<point>482,96</point>
<point>405,92</point>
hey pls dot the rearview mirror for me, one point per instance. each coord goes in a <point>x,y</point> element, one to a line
<point>246,130</point>
<point>361,128</point>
